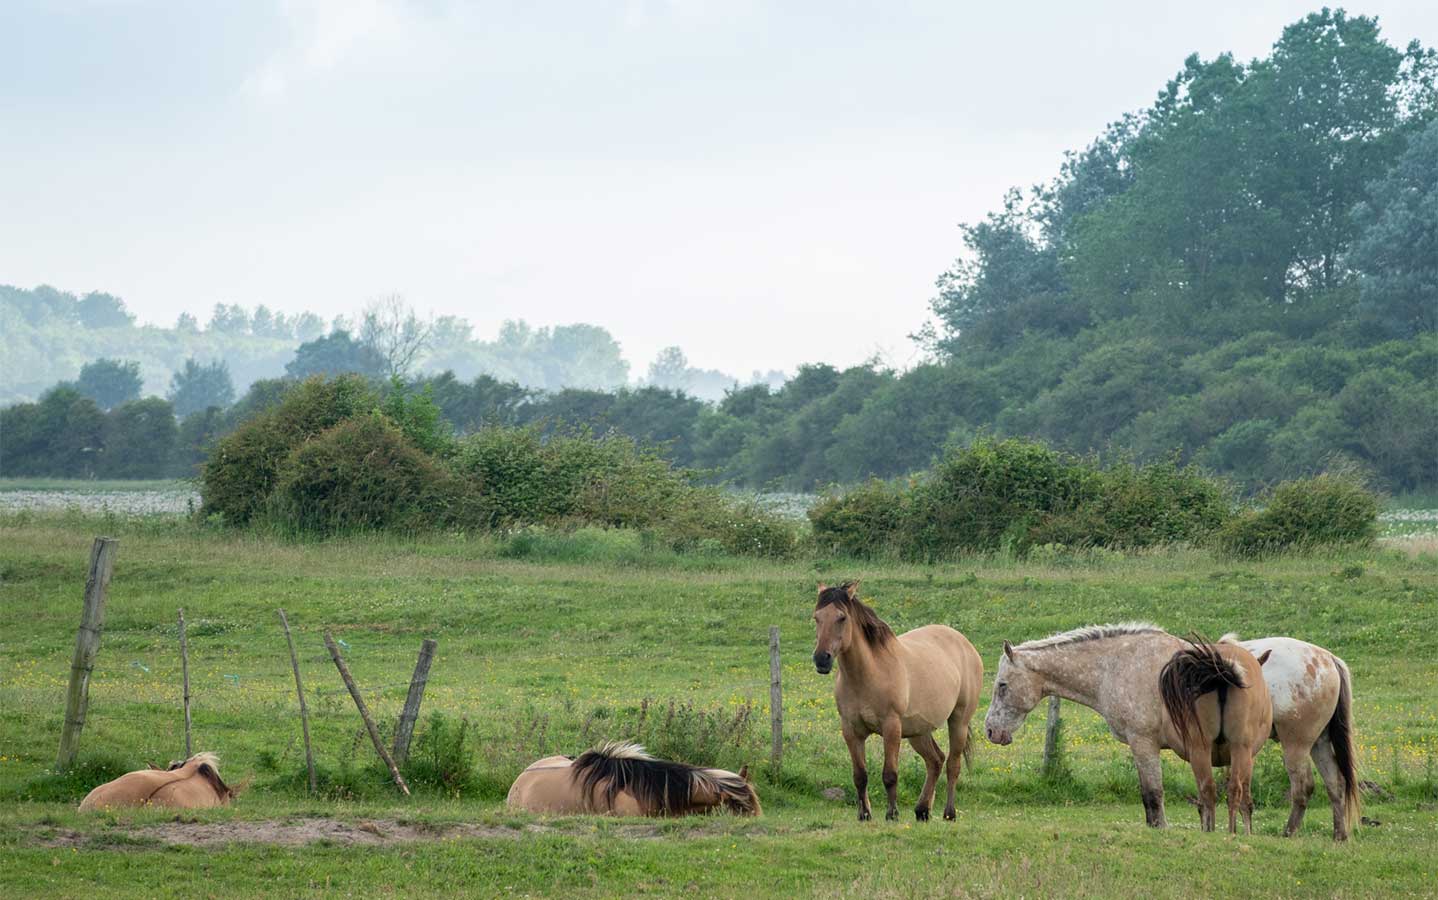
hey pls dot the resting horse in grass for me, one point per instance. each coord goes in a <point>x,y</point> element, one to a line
<point>1206,702</point>
<point>622,779</point>
<point>899,687</point>
<point>190,784</point>
<point>1312,695</point>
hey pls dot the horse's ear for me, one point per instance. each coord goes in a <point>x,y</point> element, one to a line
<point>744,774</point>
<point>1263,658</point>
<point>851,588</point>
<point>1009,651</point>
<point>823,586</point>
<point>150,765</point>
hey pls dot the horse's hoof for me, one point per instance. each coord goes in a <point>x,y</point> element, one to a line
<point>892,815</point>
<point>950,815</point>
<point>864,816</point>
<point>921,813</point>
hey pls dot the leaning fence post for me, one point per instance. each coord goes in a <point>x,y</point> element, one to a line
<point>405,729</point>
<point>185,676</point>
<point>87,644</point>
<point>364,714</point>
<point>776,703</point>
<point>304,710</point>
<point>1051,737</point>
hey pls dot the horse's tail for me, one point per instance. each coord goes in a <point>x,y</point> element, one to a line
<point>1340,735</point>
<point>969,747</point>
<point>1192,672</point>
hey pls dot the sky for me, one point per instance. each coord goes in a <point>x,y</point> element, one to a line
<point>760,183</point>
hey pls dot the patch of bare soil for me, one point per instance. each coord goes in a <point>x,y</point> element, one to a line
<point>280,832</point>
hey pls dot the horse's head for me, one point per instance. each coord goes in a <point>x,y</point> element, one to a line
<point>1017,690</point>
<point>834,624</point>
<point>727,790</point>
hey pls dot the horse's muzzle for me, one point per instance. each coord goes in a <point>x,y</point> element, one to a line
<point>999,736</point>
<point>823,662</point>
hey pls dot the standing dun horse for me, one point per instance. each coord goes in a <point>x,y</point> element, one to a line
<point>622,779</point>
<point>1312,695</point>
<point>1206,702</point>
<point>898,687</point>
<point>192,784</point>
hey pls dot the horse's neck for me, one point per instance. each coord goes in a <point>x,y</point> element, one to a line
<point>1075,672</point>
<point>862,662</point>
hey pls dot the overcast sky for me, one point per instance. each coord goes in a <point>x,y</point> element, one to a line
<point>763,184</point>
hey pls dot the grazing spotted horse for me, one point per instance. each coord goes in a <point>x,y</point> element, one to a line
<point>1206,702</point>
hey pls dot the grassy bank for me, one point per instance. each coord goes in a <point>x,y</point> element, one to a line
<point>550,643</point>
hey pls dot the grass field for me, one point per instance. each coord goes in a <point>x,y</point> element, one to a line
<point>551,643</point>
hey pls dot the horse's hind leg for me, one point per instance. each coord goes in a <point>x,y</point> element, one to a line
<point>1333,781</point>
<point>1240,790</point>
<point>928,748</point>
<point>958,747</point>
<point>1300,785</point>
<point>1198,760</point>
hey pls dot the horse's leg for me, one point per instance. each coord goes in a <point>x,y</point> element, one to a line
<point>893,739</point>
<point>1240,771</point>
<point>861,773</point>
<point>928,748</point>
<point>1202,765</point>
<point>958,744</point>
<point>1333,781</point>
<point>1300,785</point>
<point>1150,782</point>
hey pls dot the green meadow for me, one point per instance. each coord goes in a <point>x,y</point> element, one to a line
<point>549,643</point>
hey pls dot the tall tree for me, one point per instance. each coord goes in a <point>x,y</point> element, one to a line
<point>197,387</point>
<point>335,354</point>
<point>395,332</point>
<point>101,310</point>
<point>110,382</point>
<point>140,440</point>
<point>1397,250</point>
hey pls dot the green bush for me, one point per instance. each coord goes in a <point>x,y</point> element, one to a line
<point>1327,510</point>
<point>864,522</point>
<point>707,520</point>
<point>237,480</point>
<point>364,474</point>
<point>1017,494</point>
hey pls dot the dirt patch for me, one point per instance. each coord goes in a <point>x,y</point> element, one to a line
<point>280,832</point>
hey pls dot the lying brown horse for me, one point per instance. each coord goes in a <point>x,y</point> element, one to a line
<point>190,784</point>
<point>898,687</point>
<point>1312,693</point>
<point>622,779</point>
<point>1115,670</point>
<point>1218,705</point>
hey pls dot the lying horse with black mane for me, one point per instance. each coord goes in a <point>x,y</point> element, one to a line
<point>192,783</point>
<point>622,779</point>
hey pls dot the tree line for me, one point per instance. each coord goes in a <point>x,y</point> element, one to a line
<point>1241,274</point>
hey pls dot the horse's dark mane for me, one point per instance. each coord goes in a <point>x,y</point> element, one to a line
<point>662,787</point>
<point>875,630</point>
<point>1192,672</point>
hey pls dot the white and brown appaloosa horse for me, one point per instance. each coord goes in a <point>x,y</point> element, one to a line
<point>190,784</point>
<point>1312,716</point>
<point>1206,702</point>
<point>903,686</point>
<point>622,779</point>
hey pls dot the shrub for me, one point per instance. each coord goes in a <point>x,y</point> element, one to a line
<point>1330,509</point>
<point>707,520</point>
<point>864,522</point>
<point>1017,494</point>
<point>442,757</point>
<point>363,474</point>
<point>240,474</point>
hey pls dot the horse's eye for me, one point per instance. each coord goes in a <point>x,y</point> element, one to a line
<point>843,618</point>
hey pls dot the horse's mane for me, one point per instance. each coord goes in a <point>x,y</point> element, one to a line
<point>875,630</point>
<point>1091,633</point>
<point>659,785</point>
<point>207,767</point>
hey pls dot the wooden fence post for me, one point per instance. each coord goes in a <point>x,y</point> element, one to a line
<point>87,644</point>
<point>776,703</point>
<point>364,714</point>
<point>405,729</point>
<point>185,675</point>
<point>304,710</point>
<point>1051,737</point>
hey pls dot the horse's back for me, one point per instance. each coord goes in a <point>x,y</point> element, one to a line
<point>945,671</point>
<point>130,789</point>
